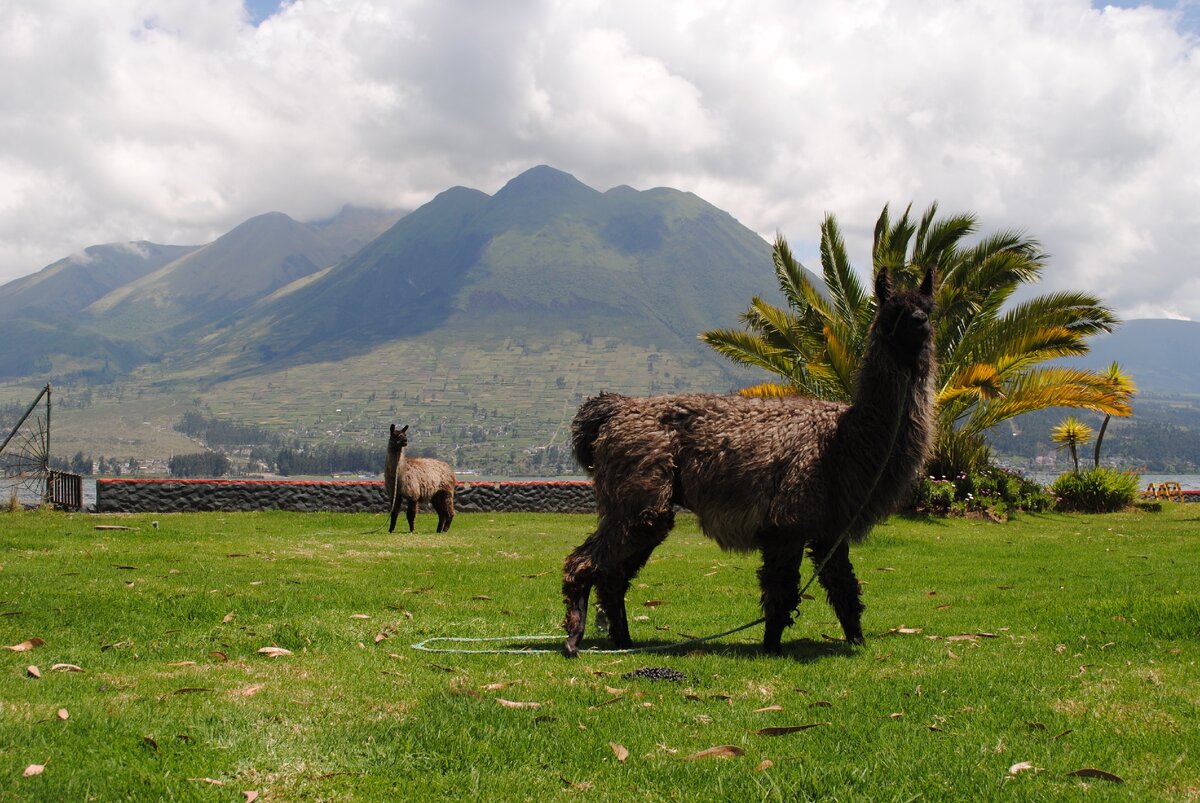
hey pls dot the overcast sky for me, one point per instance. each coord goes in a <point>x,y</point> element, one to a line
<point>175,120</point>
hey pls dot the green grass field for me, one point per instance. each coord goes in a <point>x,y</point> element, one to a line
<point>1001,658</point>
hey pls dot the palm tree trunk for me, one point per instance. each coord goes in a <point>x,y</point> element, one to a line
<point>1099,439</point>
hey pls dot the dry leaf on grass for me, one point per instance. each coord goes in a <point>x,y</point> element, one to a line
<point>768,708</point>
<point>26,645</point>
<point>765,764</point>
<point>903,631</point>
<point>1092,772</point>
<point>783,730</point>
<point>33,671</point>
<point>63,714</point>
<point>212,781</point>
<point>720,751</point>
<point>66,668</point>
<point>227,618</point>
<point>1022,766</point>
<point>250,796</point>
<point>620,751</point>
<point>220,656</point>
<point>654,603</point>
<point>274,652</point>
<point>248,691</point>
<point>359,616</point>
<point>515,704</point>
<point>34,769</point>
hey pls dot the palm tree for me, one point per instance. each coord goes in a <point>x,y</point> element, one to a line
<point>990,352</point>
<point>1071,434</point>
<point>1121,383</point>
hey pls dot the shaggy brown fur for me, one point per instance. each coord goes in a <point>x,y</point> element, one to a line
<point>773,475</point>
<point>417,479</point>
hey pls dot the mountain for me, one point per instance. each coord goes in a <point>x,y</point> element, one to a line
<point>1162,356</point>
<point>115,306</point>
<point>39,313</point>
<point>253,260</point>
<point>545,254</point>
<point>67,286</point>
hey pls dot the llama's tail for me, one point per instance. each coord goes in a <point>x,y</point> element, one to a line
<point>593,414</point>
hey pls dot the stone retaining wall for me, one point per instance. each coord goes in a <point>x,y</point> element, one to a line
<point>364,496</point>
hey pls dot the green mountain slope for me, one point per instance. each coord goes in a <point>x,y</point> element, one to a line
<point>251,261</point>
<point>40,314</point>
<point>62,289</point>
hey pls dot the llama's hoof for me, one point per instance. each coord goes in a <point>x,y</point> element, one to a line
<point>571,650</point>
<point>773,649</point>
<point>857,641</point>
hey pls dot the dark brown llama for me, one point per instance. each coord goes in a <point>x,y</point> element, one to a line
<point>774,475</point>
<point>417,479</point>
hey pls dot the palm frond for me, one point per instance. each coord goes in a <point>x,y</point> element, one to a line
<point>769,390</point>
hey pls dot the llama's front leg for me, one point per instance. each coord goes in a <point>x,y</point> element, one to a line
<point>395,513</point>
<point>412,514</point>
<point>779,579</point>
<point>841,589</point>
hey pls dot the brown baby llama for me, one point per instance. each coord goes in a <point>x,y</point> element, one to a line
<point>417,479</point>
<point>775,475</point>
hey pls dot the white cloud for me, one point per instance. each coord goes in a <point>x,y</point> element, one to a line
<point>173,121</point>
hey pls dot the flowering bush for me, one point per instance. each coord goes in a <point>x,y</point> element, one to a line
<point>994,492</point>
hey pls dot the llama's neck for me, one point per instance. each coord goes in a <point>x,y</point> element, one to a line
<point>892,391</point>
<point>886,435</point>
<point>396,459</point>
<point>393,469</point>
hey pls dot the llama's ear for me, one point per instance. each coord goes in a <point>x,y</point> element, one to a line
<point>927,283</point>
<point>393,429</point>
<point>404,429</point>
<point>883,285</point>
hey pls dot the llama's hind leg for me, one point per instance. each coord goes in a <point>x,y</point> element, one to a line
<point>779,579</point>
<point>579,575</point>
<point>611,586</point>
<point>841,589</point>
<point>443,503</point>
<point>411,513</point>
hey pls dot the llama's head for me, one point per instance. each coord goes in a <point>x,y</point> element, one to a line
<point>398,439</point>
<point>902,319</point>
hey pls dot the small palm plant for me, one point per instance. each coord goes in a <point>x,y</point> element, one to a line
<point>1121,384</point>
<point>1071,434</point>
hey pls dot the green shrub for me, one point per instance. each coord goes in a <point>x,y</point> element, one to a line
<point>1099,490</point>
